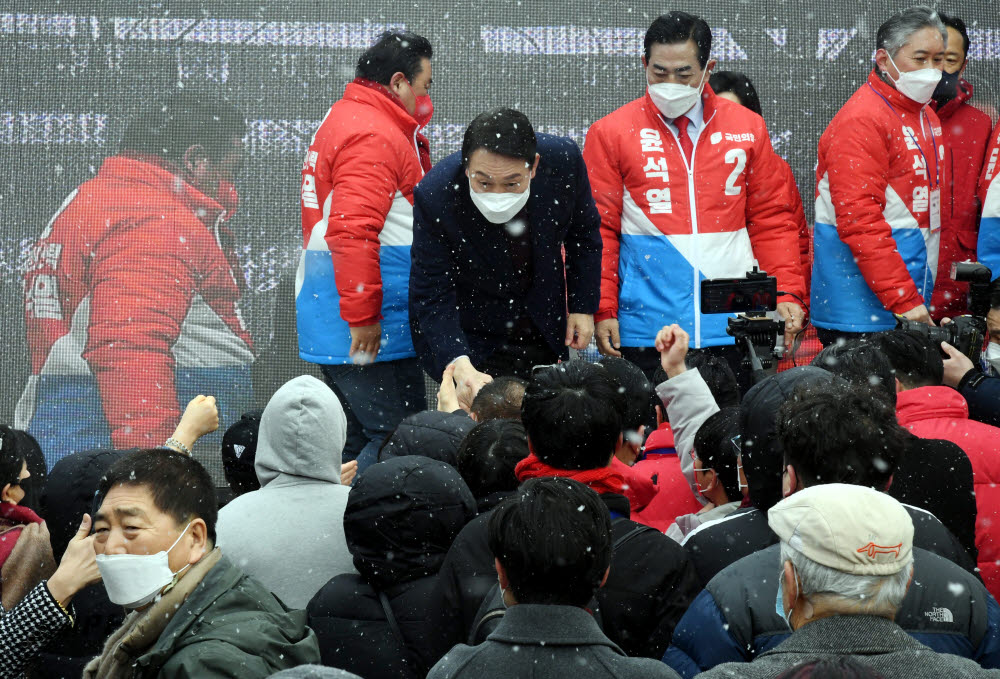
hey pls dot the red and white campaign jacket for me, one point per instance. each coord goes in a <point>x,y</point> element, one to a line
<point>667,225</point>
<point>357,226</point>
<point>880,160</point>
<point>130,297</point>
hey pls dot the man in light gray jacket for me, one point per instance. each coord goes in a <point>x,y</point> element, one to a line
<point>289,535</point>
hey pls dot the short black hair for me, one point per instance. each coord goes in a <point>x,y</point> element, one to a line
<point>12,457</point>
<point>488,455</point>
<point>840,433</point>
<point>950,21</point>
<point>572,415</point>
<point>499,399</point>
<point>679,27</point>
<point>740,85</point>
<point>995,294</point>
<point>182,119</point>
<point>718,375</point>
<point>640,397</point>
<point>915,361</point>
<point>394,52</point>
<point>859,362</point>
<point>553,537</point>
<point>505,131</point>
<point>713,444</point>
<point>180,486</point>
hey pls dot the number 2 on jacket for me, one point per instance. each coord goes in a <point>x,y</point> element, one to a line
<point>738,156</point>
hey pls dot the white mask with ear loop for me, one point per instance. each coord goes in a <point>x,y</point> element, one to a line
<point>500,208</point>
<point>673,99</point>
<point>779,604</point>
<point>916,85</point>
<point>992,356</point>
<point>133,580</point>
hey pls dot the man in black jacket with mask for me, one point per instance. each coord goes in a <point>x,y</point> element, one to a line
<point>571,413</point>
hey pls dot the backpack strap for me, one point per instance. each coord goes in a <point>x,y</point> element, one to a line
<point>626,537</point>
<point>391,619</point>
<point>490,609</point>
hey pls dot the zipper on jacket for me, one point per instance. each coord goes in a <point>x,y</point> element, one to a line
<point>694,222</point>
<point>416,147</point>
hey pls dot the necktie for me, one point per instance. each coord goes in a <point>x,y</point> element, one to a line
<point>687,147</point>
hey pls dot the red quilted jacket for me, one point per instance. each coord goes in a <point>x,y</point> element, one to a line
<point>942,413</point>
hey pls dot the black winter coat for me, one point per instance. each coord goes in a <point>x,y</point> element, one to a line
<point>355,634</point>
<point>401,517</point>
<point>937,476</point>
<point>69,493</point>
<point>430,433</point>
<point>650,586</point>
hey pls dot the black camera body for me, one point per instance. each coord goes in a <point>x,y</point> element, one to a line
<point>966,333</point>
<point>756,335</point>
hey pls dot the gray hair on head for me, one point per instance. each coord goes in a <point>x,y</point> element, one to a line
<point>897,29</point>
<point>845,593</point>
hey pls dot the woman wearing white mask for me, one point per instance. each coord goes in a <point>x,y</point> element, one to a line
<point>878,205</point>
<point>491,292</point>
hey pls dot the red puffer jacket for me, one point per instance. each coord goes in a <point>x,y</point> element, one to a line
<point>942,413</point>
<point>673,497</point>
<point>966,136</point>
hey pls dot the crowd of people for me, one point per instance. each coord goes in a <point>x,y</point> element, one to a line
<point>663,511</point>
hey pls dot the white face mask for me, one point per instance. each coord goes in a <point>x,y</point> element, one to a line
<point>917,85</point>
<point>133,580</point>
<point>992,356</point>
<point>500,208</point>
<point>674,100</point>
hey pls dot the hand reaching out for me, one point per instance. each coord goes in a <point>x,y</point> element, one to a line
<point>468,382</point>
<point>348,471</point>
<point>447,392</point>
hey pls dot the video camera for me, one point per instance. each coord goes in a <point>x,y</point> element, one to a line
<point>755,333</point>
<point>966,333</point>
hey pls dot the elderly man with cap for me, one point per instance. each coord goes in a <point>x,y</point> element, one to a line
<point>846,564</point>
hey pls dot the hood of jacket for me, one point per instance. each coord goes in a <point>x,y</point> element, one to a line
<point>302,433</point>
<point>402,516</point>
<point>71,491</point>
<point>430,433</point>
<point>930,403</point>
<point>761,452</point>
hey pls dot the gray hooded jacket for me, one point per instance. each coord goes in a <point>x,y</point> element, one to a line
<point>289,535</point>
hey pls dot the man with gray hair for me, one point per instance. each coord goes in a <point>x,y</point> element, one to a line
<point>846,564</point>
<point>878,194</point>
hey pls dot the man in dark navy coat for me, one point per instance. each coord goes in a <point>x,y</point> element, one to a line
<point>491,292</point>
